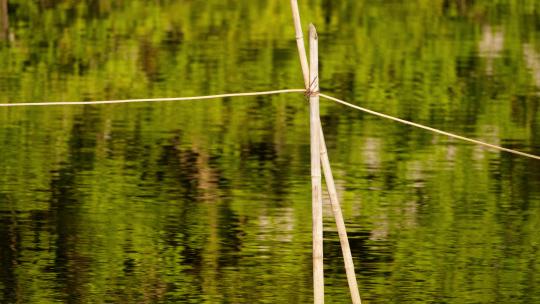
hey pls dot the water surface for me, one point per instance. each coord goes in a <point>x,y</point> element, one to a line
<point>209,201</point>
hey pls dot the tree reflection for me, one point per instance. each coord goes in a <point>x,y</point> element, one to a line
<point>4,20</point>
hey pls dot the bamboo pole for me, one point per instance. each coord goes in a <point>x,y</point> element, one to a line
<point>300,42</point>
<point>334,201</point>
<point>340,223</point>
<point>316,188</point>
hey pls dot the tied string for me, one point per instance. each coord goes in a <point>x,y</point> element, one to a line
<point>75,103</point>
<point>312,91</point>
<point>430,129</point>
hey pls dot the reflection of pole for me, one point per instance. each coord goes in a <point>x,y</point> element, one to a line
<point>316,191</point>
<point>4,19</point>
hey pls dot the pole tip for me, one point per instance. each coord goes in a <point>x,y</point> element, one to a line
<point>312,31</point>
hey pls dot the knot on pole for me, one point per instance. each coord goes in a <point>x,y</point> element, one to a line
<point>313,90</point>
<point>312,93</point>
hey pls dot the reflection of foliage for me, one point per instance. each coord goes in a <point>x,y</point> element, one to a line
<point>206,202</point>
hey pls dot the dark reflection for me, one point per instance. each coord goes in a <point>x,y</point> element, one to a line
<point>179,170</point>
<point>149,60</point>
<point>4,20</point>
<point>231,232</point>
<point>70,264</point>
<point>371,253</point>
<point>261,152</point>
<point>10,246</point>
<point>462,6</point>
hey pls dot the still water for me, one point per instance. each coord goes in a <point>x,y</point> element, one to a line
<point>209,201</point>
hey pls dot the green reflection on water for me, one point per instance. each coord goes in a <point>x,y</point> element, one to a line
<point>209,201</point>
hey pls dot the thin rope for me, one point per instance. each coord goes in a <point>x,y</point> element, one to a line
<point>73,103</point>
<point>429,128</point>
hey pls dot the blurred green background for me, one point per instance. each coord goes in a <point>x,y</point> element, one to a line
<point>209,201</point>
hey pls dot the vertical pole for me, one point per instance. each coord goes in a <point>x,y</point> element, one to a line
<point>340,223</point>
<point>316,189</point>
<point>334,201</point>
